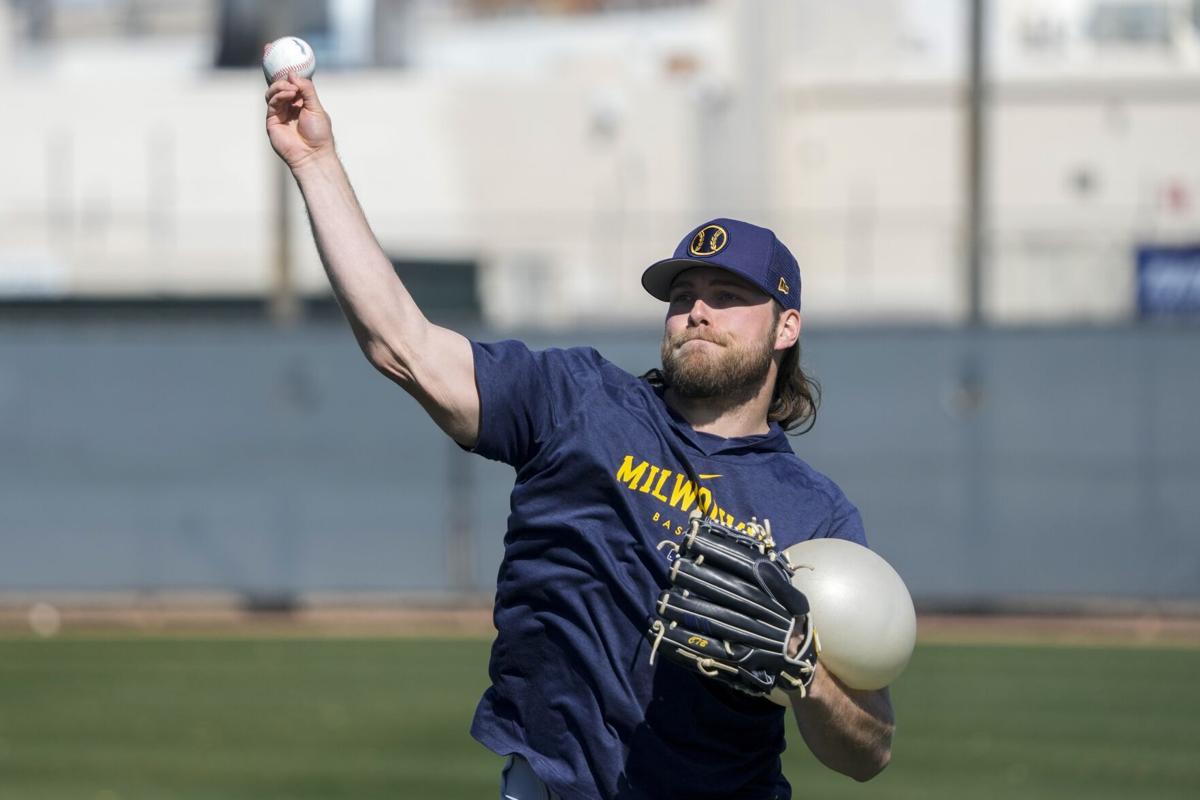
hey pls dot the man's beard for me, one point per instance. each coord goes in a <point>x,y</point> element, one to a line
<point>731,373</point>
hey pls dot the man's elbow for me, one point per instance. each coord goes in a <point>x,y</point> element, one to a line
<point>867,769</point>
<point>387,361</point>
<point>873,759</point>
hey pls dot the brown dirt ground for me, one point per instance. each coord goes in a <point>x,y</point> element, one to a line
<point>474,621</point>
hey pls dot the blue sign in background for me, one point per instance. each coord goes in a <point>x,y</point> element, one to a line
<point>1168,280</point>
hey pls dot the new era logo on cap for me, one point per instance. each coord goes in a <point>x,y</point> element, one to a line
<point>746,250</point>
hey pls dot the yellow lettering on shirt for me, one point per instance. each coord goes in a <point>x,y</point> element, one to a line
<point>652,479</point>
<point>683,495</point>
<point>658,486</point>
<point>629,473</point>
<point>645,487</point>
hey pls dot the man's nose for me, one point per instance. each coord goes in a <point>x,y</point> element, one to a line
<point>700,313</point>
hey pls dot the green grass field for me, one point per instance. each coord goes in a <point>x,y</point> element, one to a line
<point>130,717</point>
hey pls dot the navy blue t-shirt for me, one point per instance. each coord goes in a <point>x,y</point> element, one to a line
<point>601,480</point>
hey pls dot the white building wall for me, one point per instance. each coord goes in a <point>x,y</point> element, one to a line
<point>1082,173</point>
<point>135,186</point>
<point>868,195</point>
<point>564,185</point>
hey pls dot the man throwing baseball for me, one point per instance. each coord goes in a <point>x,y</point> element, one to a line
<point>620,481</point>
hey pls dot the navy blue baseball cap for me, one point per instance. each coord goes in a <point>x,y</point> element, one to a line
<point>746,250</point>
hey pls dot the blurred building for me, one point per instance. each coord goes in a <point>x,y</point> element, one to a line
<point>528,158</point>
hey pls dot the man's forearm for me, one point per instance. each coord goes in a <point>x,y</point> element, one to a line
<point>379,308</point>
<point>848,730</point>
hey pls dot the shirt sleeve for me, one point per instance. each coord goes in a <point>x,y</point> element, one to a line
<point>524,394</point>
<point>845,522</point>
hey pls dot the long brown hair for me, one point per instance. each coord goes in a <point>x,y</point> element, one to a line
<point>796,397</point>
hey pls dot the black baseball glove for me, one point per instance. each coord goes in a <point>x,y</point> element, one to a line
<point>732,611</point>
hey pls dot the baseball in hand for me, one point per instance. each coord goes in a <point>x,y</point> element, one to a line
<point>288,56</point>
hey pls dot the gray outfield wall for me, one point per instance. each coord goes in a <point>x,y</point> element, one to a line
<point>235,457</point>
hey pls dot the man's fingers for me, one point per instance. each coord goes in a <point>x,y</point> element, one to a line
<point>282,103</point>
<point>292,94</point>
<point>279,86</point>
<point>282,97</point>
<point>307,91</point>
<point>287,93</point>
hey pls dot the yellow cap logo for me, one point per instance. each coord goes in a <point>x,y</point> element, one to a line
<point>783,286</point>
<point>708,241</point>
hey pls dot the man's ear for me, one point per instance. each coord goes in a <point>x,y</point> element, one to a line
<point>787,332</point>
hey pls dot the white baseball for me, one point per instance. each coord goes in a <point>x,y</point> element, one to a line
<point>290,55</point>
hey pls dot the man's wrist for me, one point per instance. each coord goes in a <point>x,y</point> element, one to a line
<point>812,688</point>
<point>319,163</point>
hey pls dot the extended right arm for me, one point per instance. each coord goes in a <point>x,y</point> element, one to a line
<point>433,364</point>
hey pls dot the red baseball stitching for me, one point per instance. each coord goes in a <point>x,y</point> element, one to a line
<point>303,65</point>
